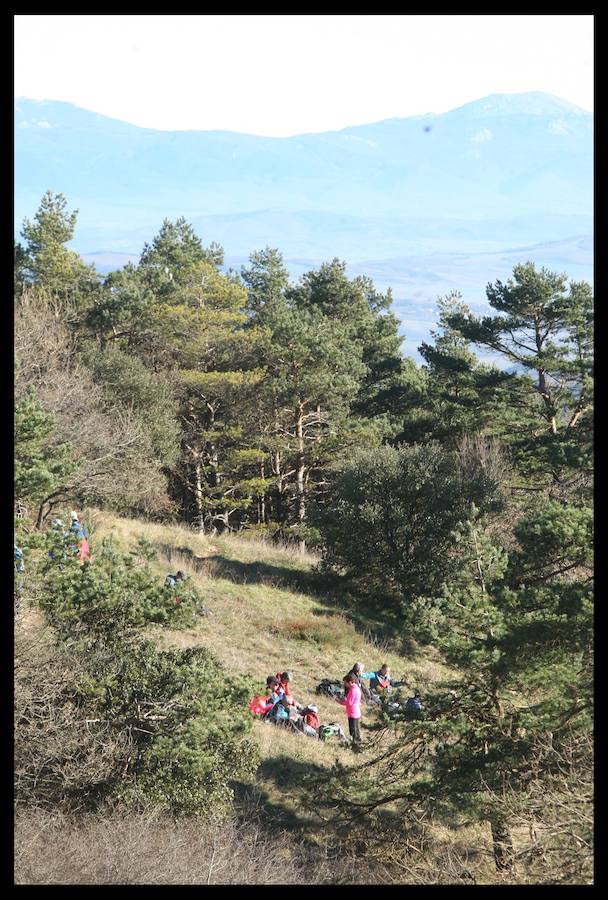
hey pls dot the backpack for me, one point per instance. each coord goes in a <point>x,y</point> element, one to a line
<point>333,689</point>
<point>413,708</point>
<point>278,714</point>
<point>327,731</point>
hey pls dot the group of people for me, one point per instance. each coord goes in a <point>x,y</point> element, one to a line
<point>76,536</point>
<point>279,706</point>
<point>381,682</point>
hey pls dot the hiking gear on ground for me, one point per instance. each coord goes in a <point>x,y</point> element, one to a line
<point>413,708</point>
<point>328,731</point>
<point>259,706</point>
<point>330,688</point>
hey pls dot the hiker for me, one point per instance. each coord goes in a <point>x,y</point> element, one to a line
<point>413,707</point>
<point>171,580</point>
<point>382,679</point>
<point>273,694</point>
<point>76,527</point>
<point>58,529</point>
<point>82,537</point>
<point>274,689</point>
<point>19,561</point>
<point>352,702</point>
<point>281,713</point>
<point>284,683</point>
<point>19,576</point>
<point>309,721</point>
<point>359,674</point>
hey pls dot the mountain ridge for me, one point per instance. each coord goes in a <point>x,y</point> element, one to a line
<point>502,172</point>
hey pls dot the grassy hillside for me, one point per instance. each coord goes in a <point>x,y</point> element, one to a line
<point>268,614</point>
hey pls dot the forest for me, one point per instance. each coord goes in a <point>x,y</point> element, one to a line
<point>328,497</point>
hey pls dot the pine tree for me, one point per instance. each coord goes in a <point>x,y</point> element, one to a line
<point>41,465</point>
<point>546,331</point>
<point>48,263</point>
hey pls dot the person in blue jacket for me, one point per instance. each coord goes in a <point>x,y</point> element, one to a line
<point>19,575</point>
<point>76,528</point>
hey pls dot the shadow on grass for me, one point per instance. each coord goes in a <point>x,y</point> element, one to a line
<point>306,582</point>
<point>286,775</point>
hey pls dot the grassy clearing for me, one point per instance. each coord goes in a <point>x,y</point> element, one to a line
<point>263,621</point>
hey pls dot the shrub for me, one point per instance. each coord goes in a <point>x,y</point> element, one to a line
<point>389,518</point>
<point>111,593</point>
<point>322,630</point>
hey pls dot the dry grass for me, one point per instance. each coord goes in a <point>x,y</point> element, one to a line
<point>116,847</point>
<point>260,628</point>
<point>149,848</point>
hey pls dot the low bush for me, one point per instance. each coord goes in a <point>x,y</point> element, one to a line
<point>326,631</point>
<point>113,592</point>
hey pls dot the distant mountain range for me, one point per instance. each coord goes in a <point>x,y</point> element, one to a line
<point>425,204</point>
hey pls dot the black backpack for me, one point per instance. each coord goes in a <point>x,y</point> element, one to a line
<point>413,708</point>
<point>329,688</point>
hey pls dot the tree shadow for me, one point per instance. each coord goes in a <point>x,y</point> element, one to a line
<point>309,582</point>
<point>286,774</point>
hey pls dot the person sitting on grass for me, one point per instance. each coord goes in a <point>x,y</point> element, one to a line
<point>285,685</point>
<point>283,713</point>
<point>352,702</point>
<point>261,705</point>
<point>309,721</point>
<point>274,693</point>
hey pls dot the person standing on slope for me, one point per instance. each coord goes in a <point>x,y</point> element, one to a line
<point>352,702</point>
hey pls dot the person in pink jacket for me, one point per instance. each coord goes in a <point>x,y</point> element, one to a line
<point>352,702</point>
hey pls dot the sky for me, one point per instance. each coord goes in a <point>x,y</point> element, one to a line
<point>279,75</point>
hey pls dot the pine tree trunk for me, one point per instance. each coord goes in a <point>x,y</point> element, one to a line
<point>198,497</point>
<point>504,856</point>
<point>262,500</point>
<point>279,515</point>
<point>300,470</point>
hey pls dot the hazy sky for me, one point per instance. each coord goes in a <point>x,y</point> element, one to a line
<point>282,75</point>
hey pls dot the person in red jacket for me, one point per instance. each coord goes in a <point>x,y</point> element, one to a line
<point>285,685</point>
